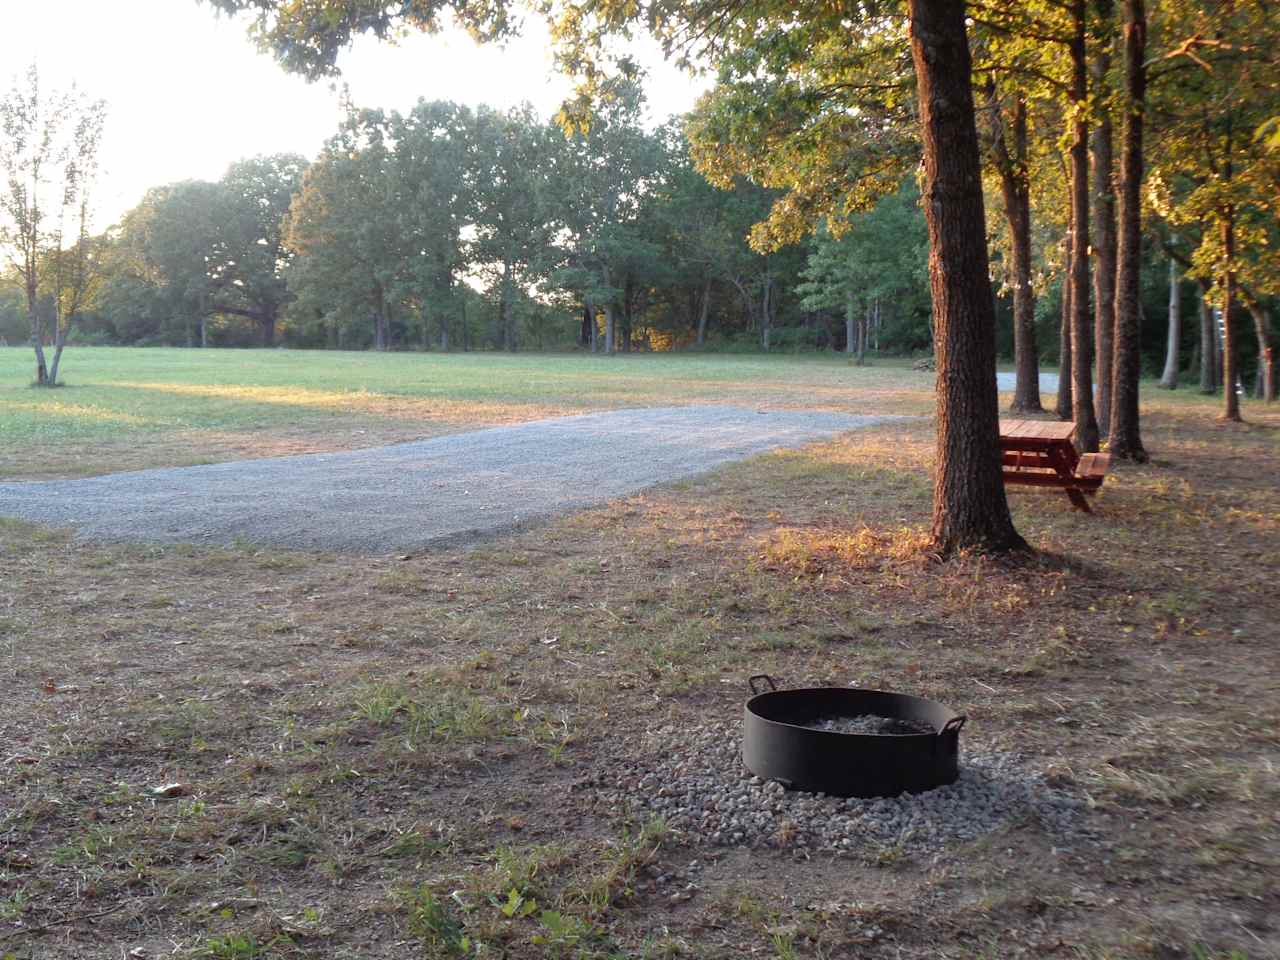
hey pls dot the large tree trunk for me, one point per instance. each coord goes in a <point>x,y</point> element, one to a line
<point>1081,330</point>
<point>268,323</point>
<point>1104,227</point>
<point>584,334</point>
<point>1063,406</point>
<point>1126,439</point>
<point>1017,211</point>
<point>969,506</point>
<point>1208,345</point>
<point>1169,379</point>
<point>610,327</point>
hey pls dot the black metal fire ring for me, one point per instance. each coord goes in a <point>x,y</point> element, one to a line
<point>778,742</point>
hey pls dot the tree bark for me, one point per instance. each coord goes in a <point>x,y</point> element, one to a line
<point>1230,374</point>
<point>1266,348</point>
<point>610,328</point>
<point>861,334</point>
<point>1125,436</point>
<point>1081,330</point>
<point>1104,228</point>
<point>37,333</point>
<point>1169,379</point>
<point>60,340</point>
<point>1208,345</point>
<point>1063,406</point>
<point>969,506</point>
<point>850,326</point>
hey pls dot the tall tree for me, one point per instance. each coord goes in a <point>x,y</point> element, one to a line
<point>1126,439</point>
<point>343,229</point>
<point>969,499</point>
<point>1103,210</point>
<point>513,159</point>
<point>1082,345</point>
<point>49,160</point>
<point>1009,152</point>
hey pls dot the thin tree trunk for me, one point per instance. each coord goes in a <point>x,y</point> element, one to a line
<point>610,328</point>
<point>1104,227</point>
<point>1126,438</point>
<point>1208,346</point>
<point>1017,211</point>
<point>59,342</point>
<point>861,333</point>
<point>507,308</point>
<point>1081,328</point>
<point>1169,379</point>
<point>850,326</point>
<point>969,506</point>
<point>204,331</point>
<point>1230,373</point>
<point>37,340</point>
<point>765,328</point>
<point>703,310</point>
<point>1266,349</point>
<point>1063,407</point>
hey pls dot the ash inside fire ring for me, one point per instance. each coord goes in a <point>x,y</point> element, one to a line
<point>870,723</point>
<point>694,778</point>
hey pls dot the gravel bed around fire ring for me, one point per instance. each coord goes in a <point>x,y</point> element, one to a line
<point>700,786</point>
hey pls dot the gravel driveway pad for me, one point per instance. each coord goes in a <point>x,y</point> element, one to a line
<point>398,498</point>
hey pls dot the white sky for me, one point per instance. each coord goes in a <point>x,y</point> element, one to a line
<point>188,93</point>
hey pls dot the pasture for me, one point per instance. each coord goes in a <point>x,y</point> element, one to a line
<point>240,752</point>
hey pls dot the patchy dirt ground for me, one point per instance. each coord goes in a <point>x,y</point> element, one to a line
<point>254,753</point>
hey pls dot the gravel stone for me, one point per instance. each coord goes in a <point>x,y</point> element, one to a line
<point>452,489</point>
<point>711,797</point>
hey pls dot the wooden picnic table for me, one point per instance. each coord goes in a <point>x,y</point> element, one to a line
<point>1040,453</point>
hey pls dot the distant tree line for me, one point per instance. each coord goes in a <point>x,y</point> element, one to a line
<point>452,228</point>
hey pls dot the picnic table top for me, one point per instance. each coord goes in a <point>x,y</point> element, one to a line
<point>1043,430</point>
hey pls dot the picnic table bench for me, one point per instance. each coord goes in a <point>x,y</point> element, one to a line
<point>1040,453</point>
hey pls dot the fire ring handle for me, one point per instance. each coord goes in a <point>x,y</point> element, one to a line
<point>765,678</point>
<point>953,725</point>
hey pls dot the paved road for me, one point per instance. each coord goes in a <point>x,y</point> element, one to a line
<point>402,497</point>
<point>1007,381</point>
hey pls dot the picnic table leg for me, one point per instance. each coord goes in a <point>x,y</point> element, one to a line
<point>1078,499</point>
<point>1065,468</point>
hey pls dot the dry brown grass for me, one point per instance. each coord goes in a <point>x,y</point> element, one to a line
<point>379,751</point>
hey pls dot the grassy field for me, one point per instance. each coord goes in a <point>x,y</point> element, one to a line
<point>393,756</point>
<point>126,408</point>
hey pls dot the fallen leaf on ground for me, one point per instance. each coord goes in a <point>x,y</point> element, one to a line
<point>167,791</point>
